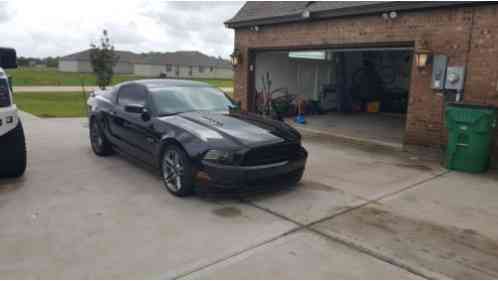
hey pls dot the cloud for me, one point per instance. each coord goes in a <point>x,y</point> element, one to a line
<point>5,12</point>
<point>59,27</point>
<point>195,25</point>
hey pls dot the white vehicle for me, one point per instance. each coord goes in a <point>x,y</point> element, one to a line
<point>12,143</point>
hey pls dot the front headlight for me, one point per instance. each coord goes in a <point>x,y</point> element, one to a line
<point>220,157</point>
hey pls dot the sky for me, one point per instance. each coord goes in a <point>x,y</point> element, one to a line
<point>61,27</point>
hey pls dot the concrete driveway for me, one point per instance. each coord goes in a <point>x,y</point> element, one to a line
<point>359,213</point>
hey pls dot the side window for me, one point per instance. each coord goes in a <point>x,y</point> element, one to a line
<point>132,95</point>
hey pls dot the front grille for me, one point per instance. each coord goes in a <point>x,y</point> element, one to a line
<point>273,154</point>
<point>4,93</point>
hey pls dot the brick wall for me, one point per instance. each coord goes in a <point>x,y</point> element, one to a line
<point>468,35</point>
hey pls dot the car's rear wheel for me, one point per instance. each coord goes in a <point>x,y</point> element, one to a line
<point>13,153</point>
<point>100,145</point>
<point>176,171</point>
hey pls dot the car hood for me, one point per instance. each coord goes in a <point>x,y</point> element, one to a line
<point>244,129</point>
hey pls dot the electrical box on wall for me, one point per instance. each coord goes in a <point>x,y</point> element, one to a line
<point>455,76</point>
<point>439,65</point>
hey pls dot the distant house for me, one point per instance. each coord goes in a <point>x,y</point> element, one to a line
<point>80,62</point>
<point>180,64</point>
<point>184,64</point>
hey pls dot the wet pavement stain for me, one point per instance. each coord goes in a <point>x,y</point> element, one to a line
<point>227,212</point>
<point>459,253</point>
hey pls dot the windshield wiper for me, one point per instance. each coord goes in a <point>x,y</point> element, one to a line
<point>175,113</point>
<point>168,114</point>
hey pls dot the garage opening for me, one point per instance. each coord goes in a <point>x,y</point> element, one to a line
<point>359,93</point>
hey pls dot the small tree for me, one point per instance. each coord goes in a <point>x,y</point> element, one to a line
<point>103,60</point>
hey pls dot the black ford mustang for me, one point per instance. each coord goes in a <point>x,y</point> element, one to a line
<point>189,131</point>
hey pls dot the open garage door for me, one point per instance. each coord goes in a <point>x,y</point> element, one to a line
<point>362,92</point>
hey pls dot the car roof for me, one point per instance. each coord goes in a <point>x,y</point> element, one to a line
<point>165,83</point>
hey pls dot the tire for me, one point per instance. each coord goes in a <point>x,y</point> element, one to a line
<point>177,171</point>
<point>296,176</point>
<point>13,151</point>
<point>100,145</point>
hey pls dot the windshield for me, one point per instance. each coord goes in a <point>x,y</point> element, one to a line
<point>173,100</point>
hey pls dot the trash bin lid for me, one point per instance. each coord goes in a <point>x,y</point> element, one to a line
<point>481,117</point>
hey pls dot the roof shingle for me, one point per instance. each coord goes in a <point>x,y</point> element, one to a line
<point>266,12</point>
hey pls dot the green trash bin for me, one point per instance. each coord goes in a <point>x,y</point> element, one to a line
<point>471,130</point>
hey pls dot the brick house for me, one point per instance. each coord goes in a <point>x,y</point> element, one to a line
<point>333,38</point>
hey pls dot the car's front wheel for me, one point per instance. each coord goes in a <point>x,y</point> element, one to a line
<point>100,145</point>
<point>176,171</point>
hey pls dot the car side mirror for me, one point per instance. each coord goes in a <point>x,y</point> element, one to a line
<point>137,109</point>
<point>145,116</point>
<point>8,58</point>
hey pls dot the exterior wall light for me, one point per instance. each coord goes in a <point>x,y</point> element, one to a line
<point>422,57</point>
<point>235,57</point>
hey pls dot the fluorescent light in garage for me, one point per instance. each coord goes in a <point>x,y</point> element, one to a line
<point>311,55</point>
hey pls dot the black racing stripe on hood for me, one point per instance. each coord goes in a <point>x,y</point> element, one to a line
<point>275,128</point>
<point>231,138</point>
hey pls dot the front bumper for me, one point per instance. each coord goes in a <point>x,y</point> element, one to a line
<point>242,177</point>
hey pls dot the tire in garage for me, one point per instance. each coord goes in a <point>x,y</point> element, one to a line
<point>13,151</point>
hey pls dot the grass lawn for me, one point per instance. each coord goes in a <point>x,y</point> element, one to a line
<point>220,83</point>
<point>33,76</point>
<point>52,104</point>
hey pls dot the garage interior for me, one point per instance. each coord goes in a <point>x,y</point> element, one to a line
<point>360,93</point>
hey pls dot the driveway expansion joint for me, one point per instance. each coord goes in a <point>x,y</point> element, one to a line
<point>420,272</point>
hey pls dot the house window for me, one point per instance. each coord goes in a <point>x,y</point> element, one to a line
<point>168,67</point>
<point>211,69</point>
<point>190,70</point>
<point>201,69</point>
<point>177,70</point>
